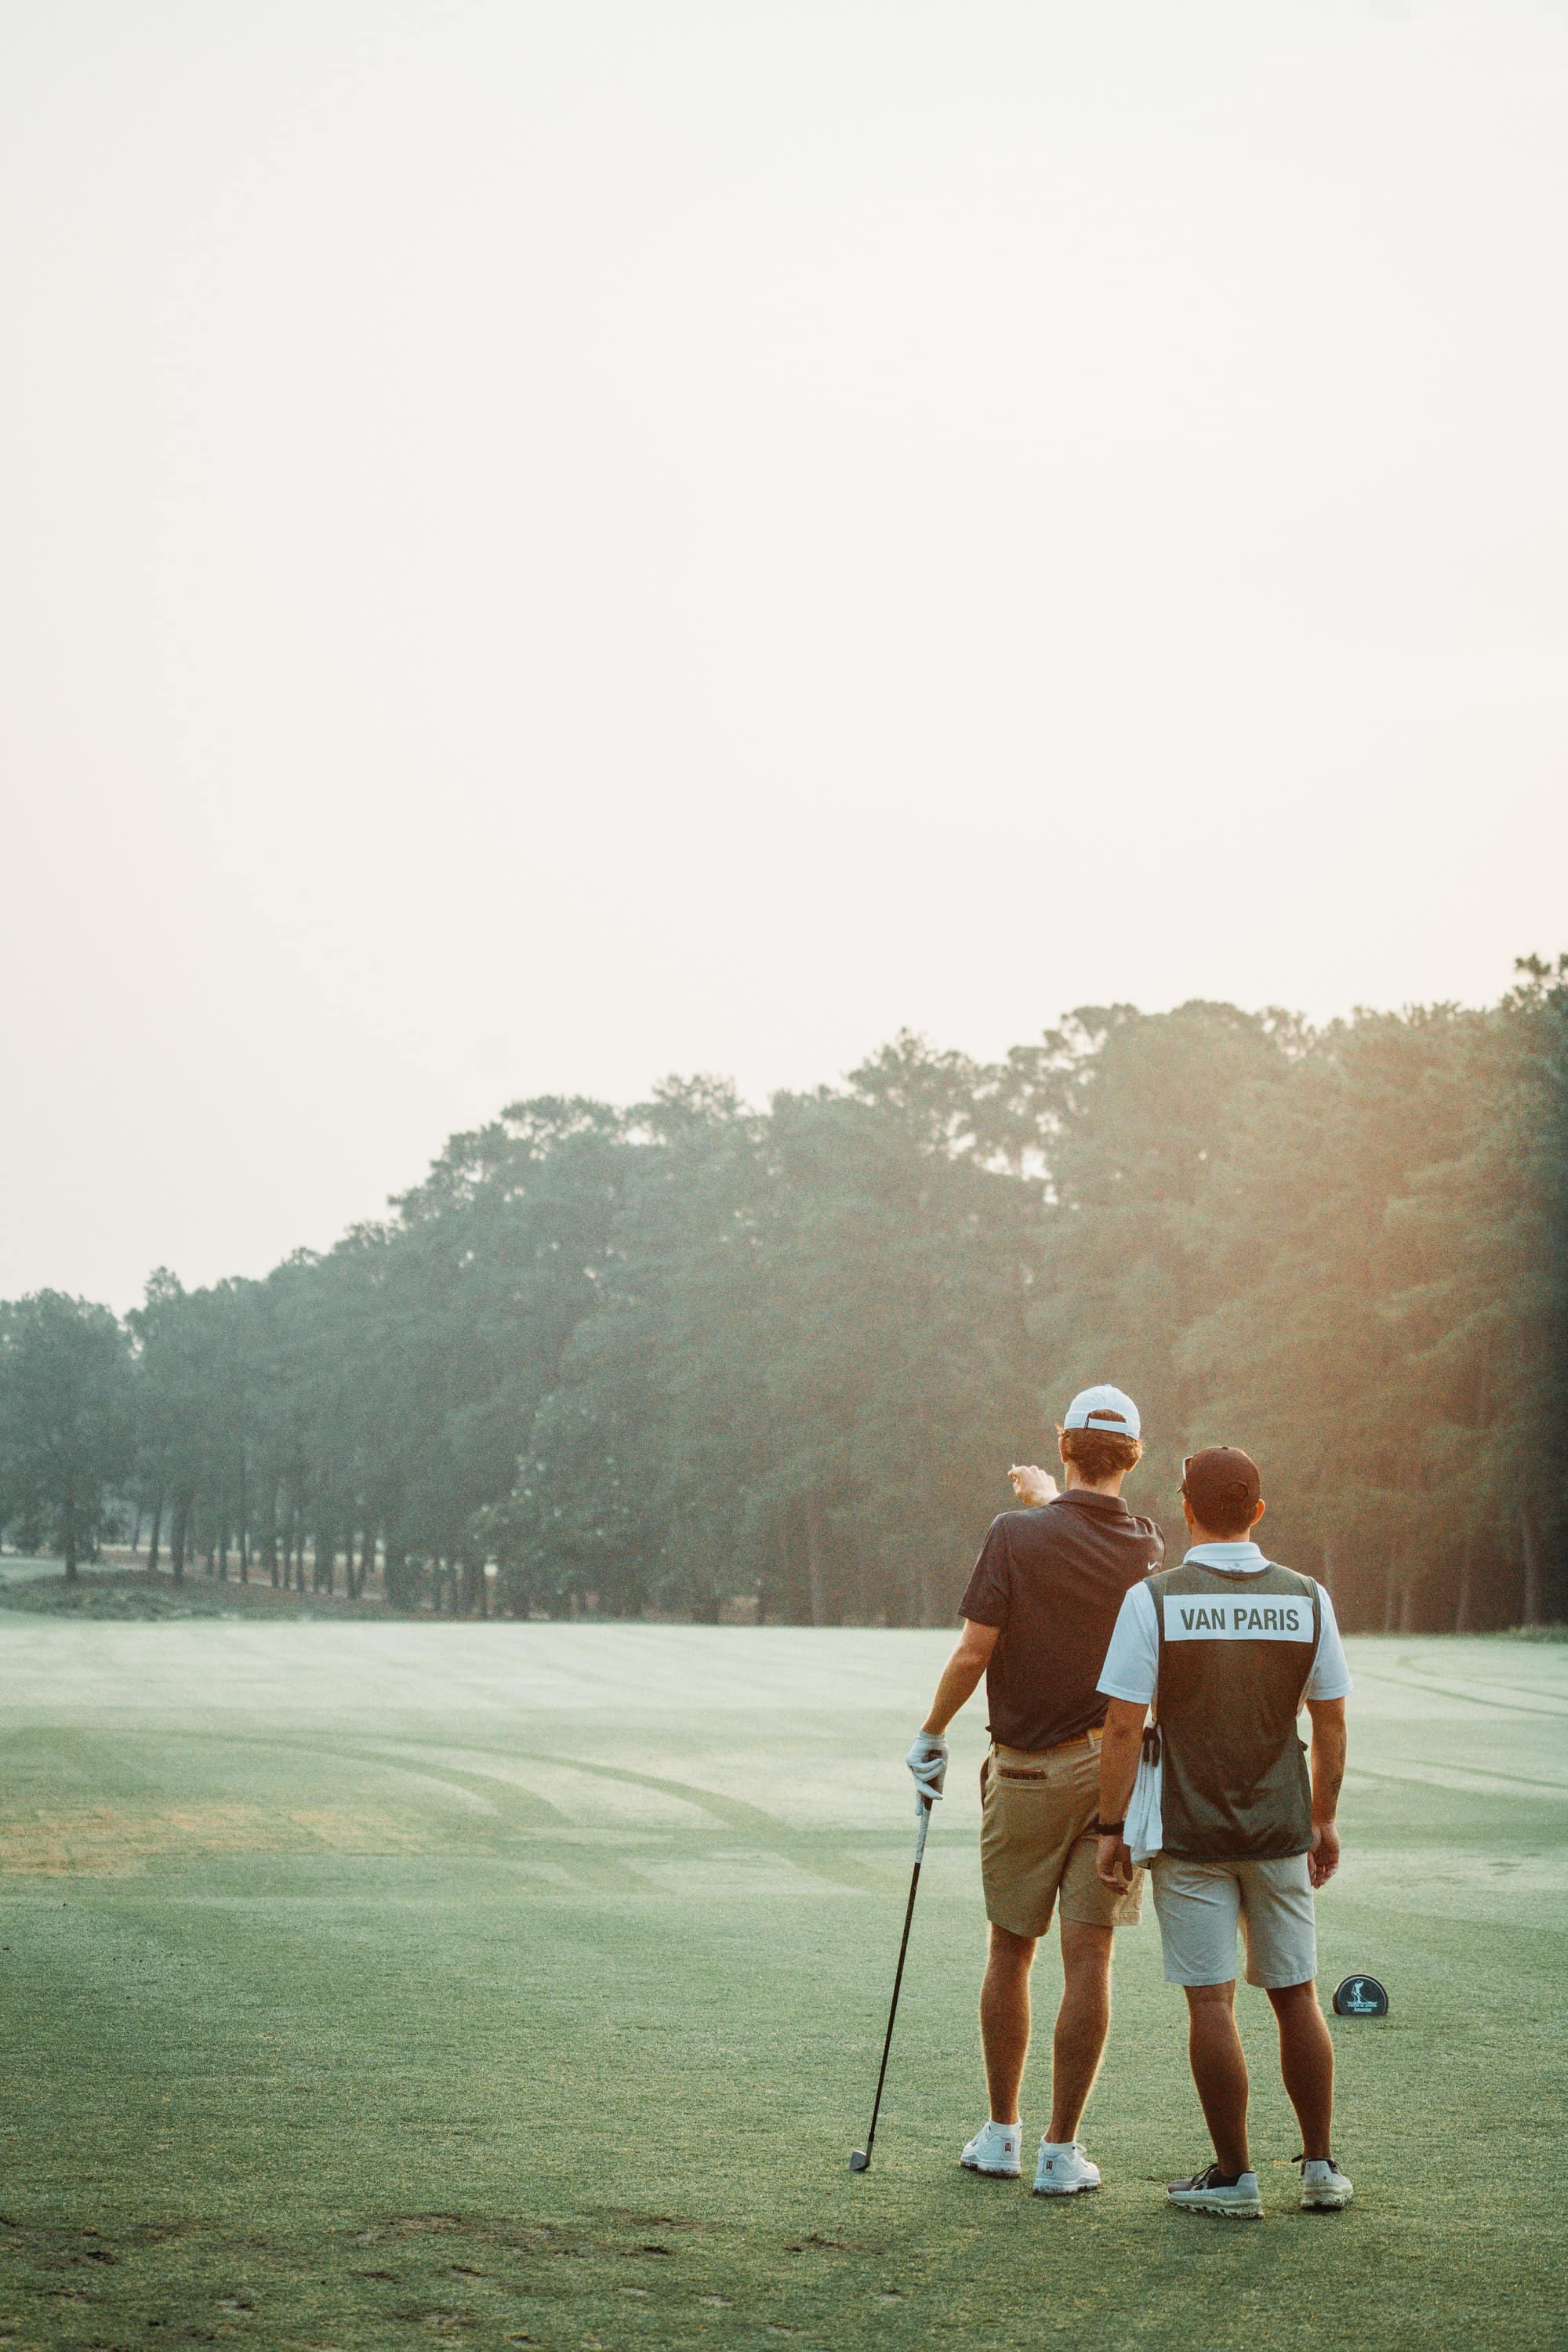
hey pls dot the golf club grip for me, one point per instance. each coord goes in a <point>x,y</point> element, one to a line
<point>897,1981</point>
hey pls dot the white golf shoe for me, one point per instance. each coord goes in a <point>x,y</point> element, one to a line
<point>1063,2170</point>
<point>1324,2188</point>
<point>1215,2192</point>
<point>994,2150</point>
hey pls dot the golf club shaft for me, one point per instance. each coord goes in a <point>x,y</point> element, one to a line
<point>899,1973</point>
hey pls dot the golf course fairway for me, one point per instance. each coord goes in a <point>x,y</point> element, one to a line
<point>525,1983</point>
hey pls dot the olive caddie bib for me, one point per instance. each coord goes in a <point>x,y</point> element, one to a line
<point>1234,1654</point>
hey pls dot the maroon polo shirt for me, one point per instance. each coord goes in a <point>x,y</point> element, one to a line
<point>1052,1579</point>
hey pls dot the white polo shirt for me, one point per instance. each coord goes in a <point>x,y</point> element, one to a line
<point>1132,1668</point>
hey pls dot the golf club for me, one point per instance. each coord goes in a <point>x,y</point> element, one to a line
<point>861,2160</point>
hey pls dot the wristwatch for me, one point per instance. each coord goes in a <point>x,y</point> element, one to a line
<point>1109,1829</point>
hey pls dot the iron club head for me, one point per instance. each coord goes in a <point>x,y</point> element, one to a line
<point>859,2161</point>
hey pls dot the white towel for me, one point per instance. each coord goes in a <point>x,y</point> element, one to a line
<point>1145,1831</point>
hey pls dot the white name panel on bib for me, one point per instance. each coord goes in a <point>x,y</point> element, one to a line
<point>1216,1617</point>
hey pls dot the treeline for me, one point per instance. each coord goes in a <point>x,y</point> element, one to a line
<point>670,1357</point>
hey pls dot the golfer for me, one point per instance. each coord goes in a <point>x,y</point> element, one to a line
<point>1038,1614</point>
<point>1231,1644</point>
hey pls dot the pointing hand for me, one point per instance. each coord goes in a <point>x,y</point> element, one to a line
<point>1031,1484</point>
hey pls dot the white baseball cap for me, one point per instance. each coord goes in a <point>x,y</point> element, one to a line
<point>1105,1408</point>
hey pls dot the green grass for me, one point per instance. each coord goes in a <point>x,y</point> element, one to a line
<point>142,1596</point>
<point>365,1985</point>
<point>18,1567</point>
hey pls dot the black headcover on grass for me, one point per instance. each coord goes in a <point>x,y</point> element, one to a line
<point>1360,1997</point>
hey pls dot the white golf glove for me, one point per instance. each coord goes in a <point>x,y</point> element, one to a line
<point>926,1759</point>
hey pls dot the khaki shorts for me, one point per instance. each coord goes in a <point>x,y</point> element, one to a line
<point>1038,1811</point>
<point>1200,1905</point>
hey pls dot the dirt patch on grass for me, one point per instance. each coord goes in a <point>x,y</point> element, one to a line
<point>631,2236</point>
<point>57,2245</point>
<point>632,2218</point>
<point>59,1842</point>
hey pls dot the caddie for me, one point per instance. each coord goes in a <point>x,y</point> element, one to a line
<point>1236,1830</point>
<point>1038,1614</point>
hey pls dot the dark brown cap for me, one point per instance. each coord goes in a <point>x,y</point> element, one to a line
<point>1224,1486</point>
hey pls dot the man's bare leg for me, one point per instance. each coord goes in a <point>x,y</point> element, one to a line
<point>1219,2070</point>
<point>1083,2021</point>
<point>1306,2062</point>
<point>1004,2019</point>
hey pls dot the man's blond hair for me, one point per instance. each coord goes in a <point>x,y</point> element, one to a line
<point>1099,1454</point>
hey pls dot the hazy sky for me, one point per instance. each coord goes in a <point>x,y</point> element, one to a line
<point>548,542</point>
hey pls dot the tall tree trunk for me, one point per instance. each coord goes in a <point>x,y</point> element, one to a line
<point>1464,1605</point>
<point>934,1606</point>
<point>816,1559</point>
<point>156,1529</point>
<point>787,1574</point>
<point>68,1535</point>
<point>1534,1582</point>
<point>178,1533</point>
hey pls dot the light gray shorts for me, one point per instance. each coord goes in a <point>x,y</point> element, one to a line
<point>1200,1904</point>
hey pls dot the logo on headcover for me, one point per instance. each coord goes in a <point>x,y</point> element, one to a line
<point>1360,1997</point>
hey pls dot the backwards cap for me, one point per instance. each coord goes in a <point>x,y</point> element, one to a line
<point>1104,1408</point>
